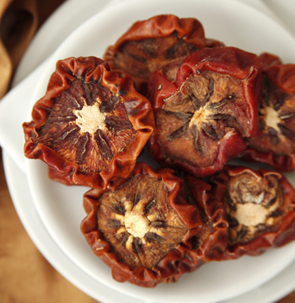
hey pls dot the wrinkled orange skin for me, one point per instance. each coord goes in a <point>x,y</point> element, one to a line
<point>178,261</point>
<point>190,30</point>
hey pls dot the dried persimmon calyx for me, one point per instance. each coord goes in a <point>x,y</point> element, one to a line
<point>212,106</point>
<point>143,227</point>
<point>275,143</point>
<point>152,43</point>
<point>89,119</point>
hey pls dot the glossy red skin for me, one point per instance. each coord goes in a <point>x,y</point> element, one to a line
<point>283,76</point>
<point>188,29</point>
<point>227,60</point>
<point>286,231</point>
<point>175,263</point>
<point>285,163</point>
<point>207,199</point>
<point>138,109</point>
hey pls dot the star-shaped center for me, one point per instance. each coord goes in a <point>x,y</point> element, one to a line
<point>90,118</point>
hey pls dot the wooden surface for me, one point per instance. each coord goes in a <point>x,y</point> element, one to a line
<point>25,275</point>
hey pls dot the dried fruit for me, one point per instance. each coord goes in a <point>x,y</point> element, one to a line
<point>91,124</point>
<point>137,221</point>
<point>143,227</point>
<point>203,116</point>
<point>152,43</point>
<point>275,143</point>
<point>259,207</point>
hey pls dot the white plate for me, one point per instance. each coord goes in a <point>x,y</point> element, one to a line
<point>24,205</point>
<point>60,207</point>
<point>271,291</point>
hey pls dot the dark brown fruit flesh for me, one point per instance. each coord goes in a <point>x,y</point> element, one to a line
<point>138,222</point>
<point>207,108</point>
<point>276,121</point>
<point>87,125</point>
<point>254,205</point>
<point>141,58</point>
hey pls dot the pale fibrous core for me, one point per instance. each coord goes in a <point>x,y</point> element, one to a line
<point>138,221</point>
<point>135,222</point>
<point>254,204</point>
<point>90,118</point>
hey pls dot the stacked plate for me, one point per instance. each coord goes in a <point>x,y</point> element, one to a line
<point>52,212</point>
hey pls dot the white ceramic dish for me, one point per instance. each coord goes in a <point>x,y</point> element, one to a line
<point>60,207</point>
<point>24,205</point>
<point>270,291</point>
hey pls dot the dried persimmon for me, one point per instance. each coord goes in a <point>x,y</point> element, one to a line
<point>260,208</point>
<point>143,228</point>
<point>203,116</point>
<point>152,43</point>
<point>90,126</point>
<point>275,143</point>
